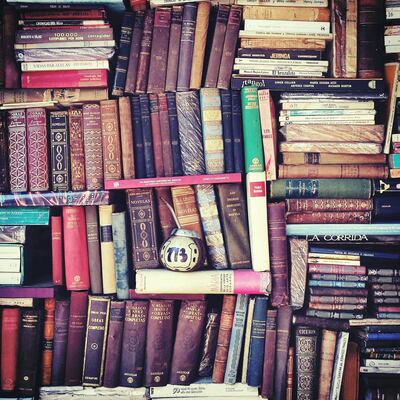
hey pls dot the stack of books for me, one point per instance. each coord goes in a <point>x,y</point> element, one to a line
<point>11,264</point>
<point>392,28</point>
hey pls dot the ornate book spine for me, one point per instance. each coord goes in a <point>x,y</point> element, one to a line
<point>76,338</point>
<point>156,135</point>
<point>95,343</point>
<point>4,162</point>
<point>330,217</point>
<point>290,367</point>
<point>186,46</point>
<point>174,134</point>
<point>165,135</point>
<point>77,150</point>
<point>75,248</point>
<point>11,75</point>
<point>36,138</point>
<point>10,322</point>
<point>224,337</point>
<point>213,142</point>
<point>229,47</point>
<point>127,145</point>
<point>339,29</point>
<point>120,254</point>
<point>147,136</point>
<point>267,387</point>
<point>209,344</point>
<point>187,342</point>
<point>48,341</point>
<point>167,222</point>
<point>159,342</point>
<point>159,50</point>
<point>327,356</point>
<point>62,310</point>
<point>298,278</point>
<point>114,343</point>
<point>111,140</point>
<point>133,343</point>
<point>351,374</point>
<point>123,54</point>
<point>143,229</point>
<point>18,157</point>
<point>226,104</point>
<point>57,250</point>
<point>199,46</point>
<point>237,133</point>
<point>311,205</point>
<point>350,54</point>
<point>93,146</point>
<point>173,48</point>
<point>338,368</point>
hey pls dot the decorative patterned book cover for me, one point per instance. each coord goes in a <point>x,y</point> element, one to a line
<point>227,123</point>
<point>174,133</point>
<point>165,135</point>
<point>147,136</point>
<point>311,205</point>
<point>267,387</point>
<point>4,162</point>
<point>140,164</point>
<point>237,133</point>
<point>157,143</point>
<point>209,344</point>
<point>127,143</point>
<point>298,278</point>
<point>48,341</point>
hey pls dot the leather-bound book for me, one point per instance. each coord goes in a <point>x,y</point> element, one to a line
<point>311,205</point>
<point>76,338</point>
<point>284,318</point>
<point>75,248</point>
<point>351,376</point>
<point>147,136</point>
<point>30,335</point>
<point>298,277</point>
<point>137,33</point>
<point>165,135</point>
<point>226,105</point>
<point>48,341</point>
<point>306,362</point>
<point>127,144</point>
<point>327,357</point>
<point>200,41</point>
<point>11,75</point>
<point>229,47</point>
<point>224,337</point>
<point>77,150</point>
<point>57,250</point>
<point>326,158</point>
<point>59,149</point>
<point>167,222</point>
<point>114,343</point>
<point>174,133</point>
<point>233,216</point>
<point>186,46</point>
<point>38,160</point>
<point>4,177</point>
<point>140,164</point>
<point>237,133</point>
<point>133,343</point>
<point>278,254</point>
<point>92,139</point>
<point>209,344</point>
<point>123,54</point>
<point>17,153</point>
<point>144,54</point>
<point>173,48</point>
<point>187,342</point>
<point>159,50</point>
<point>62,311</point>
<point>10,322</point>
<point>111,140</point>
<point>290,371</point>
<point>330,217</point>
<point>142,212</point>
<point>267,387</point>
<point>156,135</point>
<point>159,342</point>
<point>190,133</point>
<point>214,61</point>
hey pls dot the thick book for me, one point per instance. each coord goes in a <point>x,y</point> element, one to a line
<point>326,362</point>
<point>146,127</point>
<point>330,217</point>
<point>57,250</point>
<point>299,267</point>
<point>48,341</point>
<point>326,158</point>
<point>227,124</point>
<point>166,141</point>
<point>339,365</point>
<point>139,149</point>
<point>246,343</point>
<point>209,344</point>
<point>237,132</point>
<point>336,205</point>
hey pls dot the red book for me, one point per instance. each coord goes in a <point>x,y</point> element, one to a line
<point>74,14</point>
<point>70,79</point>
<point>9,348</point>
<point>156,136</point>
<point>57,250</point>
<point>388,309</point>
<point>137,5</point>
<point>75,249</point>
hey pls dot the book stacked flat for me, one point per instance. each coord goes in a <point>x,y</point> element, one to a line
<point>11,264</point>
<point>392,28</point>
<point>74,43</point>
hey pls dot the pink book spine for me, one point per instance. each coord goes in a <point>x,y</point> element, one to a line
<point>247,281</point>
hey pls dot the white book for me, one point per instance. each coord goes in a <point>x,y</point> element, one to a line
<point>392,12</point>
<point>287,26</point>
<point>293,113</point>
<point>318,260</point>
<point>382,363</point>
<point>284,3</point>
<point>334,256</point>
<point>379,370</point>
<point>275,34</point>
<point>327,105</point>
<point>10,251</point>
<point>11,278</point>
<point>296,68</point>
<point>339,119</point>
<point>62,45</point>
<point>274,72</point>
<point>328,121</point>
<point>64,65</point>
<point>392,49</point>
<point>16,301</point>
<point>373,321</point>
<point>247,336</point>
<point>396,137</point>
<point>338,367</point>
<point>33,104</point>
<point>267,61</point>
<point>10,265</point>
<point>330,148</point>
<point>392,40</point>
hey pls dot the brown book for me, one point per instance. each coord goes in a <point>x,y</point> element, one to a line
<point>165,135</point>
<point>287,13</point>
<point>326,158</point>
<point>77,151</point>
<point>278,253</point>
<point>111,140</point>
<point>127,146</point>
<point>11,75</point>
<point>187,342</point>
<point>224,337</point>
<point>199,47</point>
<point>351,374</point>
<point>209,344</point>
<point>339,29</point>
<point>159,342</point>
<point>330,217</point>
<point>290,371</point>
<point>167,222</point>
<point>270,43</point>
<point>48,337</point>
<point>321,323</point>
<point>335,307</point>
<point>350,53</point>
<point>267,387</point>
<point>311,205</point>
<point>327,357</point>
<point>331,147</point>
<point>298,271</point>
<point>68,96</point>
<point>333,171</point>
<point>156,135</point>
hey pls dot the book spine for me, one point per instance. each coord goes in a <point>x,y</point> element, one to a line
<point>159,342</point>
<point>350,54</point>
<point>267,387</point>
<point>114,343</point>
<point>77,150</point>
<point>76,14</point>
<point>63,65</point>
<point>48,35</point>
<point>270,54</point>
<point>209,344</point>
<point>237,134</point>
<point>48,341</point>
<point>336,269</point>
<point>11,74</point>
<point>4,162</point>
<point>62,309</point>
<point>295,13</point>
<point>226,107</point>
<point>338,369</point>
<point>156,135</point>
<point>290,367</point>
<point>311,205</point>
<point>326,362</point>
<point>95,342</point>
<point>147,136</point>
<point>165,135</point>
<point>140,164</point>
<point>321,323</point>
<point>298,257</point>
<point>174,134</point>
<point>339,30</point>
<point>57,250</point>
<point>186,46</point>
<point>18,158</point>
<point>330,217</point>
<point>127,146</point>
<point>121,68</point>
<point>167,222</point>
<point>133,343</point>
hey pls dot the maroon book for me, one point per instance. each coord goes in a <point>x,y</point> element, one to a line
<point>267,388</point>
<point>156,136</point>
<point>167,222</point>
<point>165,135</point>
<point>11,74</point>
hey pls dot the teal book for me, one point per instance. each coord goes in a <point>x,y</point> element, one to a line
<point>213,142</point>
<point>120,254</point>
<point>394,160</point>
<point>252,138</point>
<point>24,216</point>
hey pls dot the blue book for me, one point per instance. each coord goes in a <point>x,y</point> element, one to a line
<point>361,253</point>
<point>147,136</point>
<point>336,284</point>
<point>24,215</point>
<point>237,133</point>
<point>226,105</point>
<point>120,254</point>
<point>174,134</point>
<point>140,164</point>
<point>257,342</point>
<point>383,336</point>
<point>388,315</point>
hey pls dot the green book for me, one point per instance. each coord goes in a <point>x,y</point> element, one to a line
<point>252,138</point>
<point>24,216</point>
